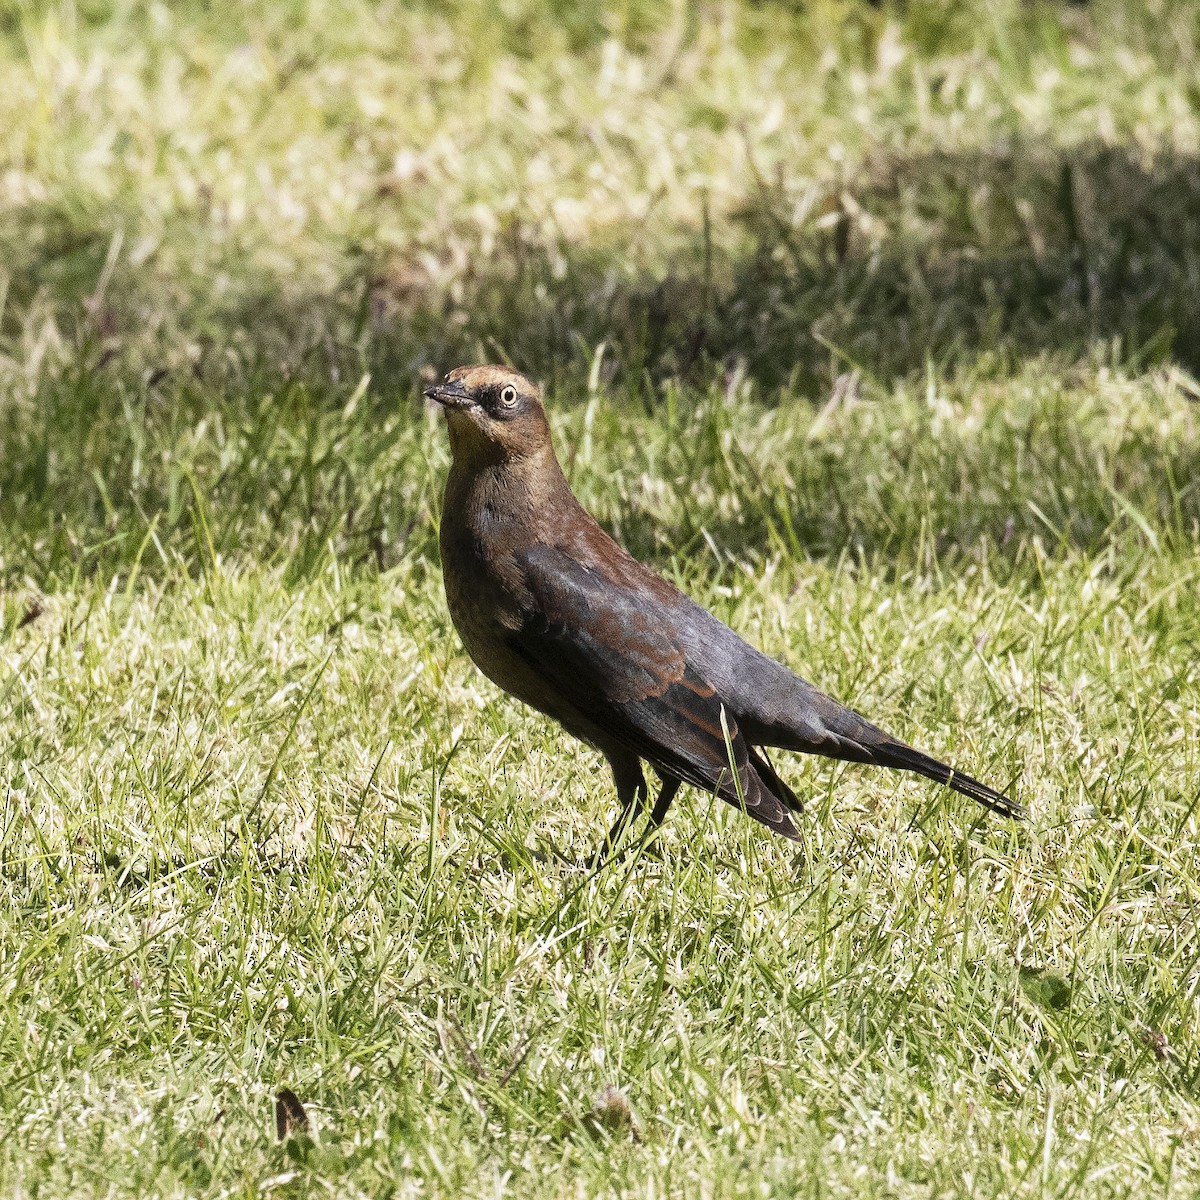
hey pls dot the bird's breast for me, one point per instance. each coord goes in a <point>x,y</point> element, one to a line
<point>487,602</point>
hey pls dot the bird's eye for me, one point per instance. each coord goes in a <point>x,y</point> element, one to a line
<point>508,396</point>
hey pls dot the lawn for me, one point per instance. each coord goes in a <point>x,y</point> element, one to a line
<point>877,329</point>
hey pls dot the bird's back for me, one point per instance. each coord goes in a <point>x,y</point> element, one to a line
<point>773,705</point>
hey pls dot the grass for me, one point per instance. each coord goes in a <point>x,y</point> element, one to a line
<point>873,328</point>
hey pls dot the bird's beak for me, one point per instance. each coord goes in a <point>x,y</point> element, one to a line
<point>450,394</point>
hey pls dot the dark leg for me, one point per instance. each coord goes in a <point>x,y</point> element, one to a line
<point>665,796</point>
<point>631,792</point>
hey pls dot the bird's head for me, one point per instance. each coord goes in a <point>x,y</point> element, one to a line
<point>493,414</point>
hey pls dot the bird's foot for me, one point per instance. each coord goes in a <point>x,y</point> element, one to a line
<point>556,856</point>
<point>645,846</point>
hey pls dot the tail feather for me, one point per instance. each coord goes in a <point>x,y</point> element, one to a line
<point>769,776</point>
<point>906,758</point>
<point>760,800</point>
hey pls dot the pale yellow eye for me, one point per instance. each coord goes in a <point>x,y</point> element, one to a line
<point>508,397</point>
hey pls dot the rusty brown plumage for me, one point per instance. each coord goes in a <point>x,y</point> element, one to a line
<point>551,609</point>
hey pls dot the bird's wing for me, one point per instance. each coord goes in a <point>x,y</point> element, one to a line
<point>609,653</point>
<point>775,707</point>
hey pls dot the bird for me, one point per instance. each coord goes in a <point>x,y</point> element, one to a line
<point>558,614</point>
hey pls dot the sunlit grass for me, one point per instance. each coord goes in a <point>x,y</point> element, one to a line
<point>868,328</point>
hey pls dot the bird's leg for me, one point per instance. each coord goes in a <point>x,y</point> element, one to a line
<point>665,796</point>
<point>631,792</point>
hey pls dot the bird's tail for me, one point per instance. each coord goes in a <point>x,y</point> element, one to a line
<point>906,758</point>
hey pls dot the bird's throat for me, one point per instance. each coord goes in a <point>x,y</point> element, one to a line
<point>528,489</point>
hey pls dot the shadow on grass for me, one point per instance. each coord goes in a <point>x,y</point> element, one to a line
<point>939,258</point>
<point>947,258</point>
<point>970,262</point>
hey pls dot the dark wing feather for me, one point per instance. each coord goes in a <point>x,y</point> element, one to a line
<point>609,654</point>
<point>775,707</point>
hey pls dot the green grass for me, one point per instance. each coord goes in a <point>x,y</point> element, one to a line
<point>874,329</point>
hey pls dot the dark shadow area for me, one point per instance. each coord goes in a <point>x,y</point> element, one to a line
<point>970,263</point>
<point>974,263</point>
<point>943,258</point>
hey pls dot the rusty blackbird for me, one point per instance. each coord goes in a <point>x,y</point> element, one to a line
<point>554,611</point>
